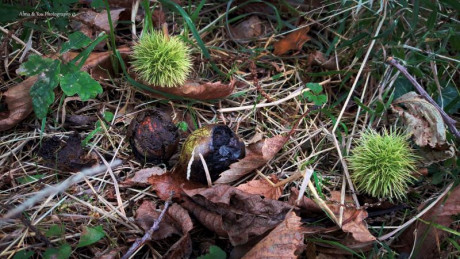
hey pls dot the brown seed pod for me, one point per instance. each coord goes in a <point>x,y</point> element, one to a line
<point>218,145</point>
<point>153,137</point>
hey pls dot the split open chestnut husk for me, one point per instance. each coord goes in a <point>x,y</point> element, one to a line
<point>153,137</point>
<point>218,145</point>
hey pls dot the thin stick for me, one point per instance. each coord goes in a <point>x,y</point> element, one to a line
<point>19,40</point>
<point>148,235</point>
<point>206,170</point>
<point>52,190</point>
<point>392,233</point>
<point>448,120</point>
<point>277,102</point>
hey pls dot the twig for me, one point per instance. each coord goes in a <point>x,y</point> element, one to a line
<point>392,233</point>
<point>252,67</point>
<point>206,170</point>
<point>19,40</point>
<point>148,235</point>
<point>448,120</point>
<point>275,103</point>
<point>55,189</point>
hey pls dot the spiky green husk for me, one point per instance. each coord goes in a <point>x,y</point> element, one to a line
<point>161,61</point>
<point>382,165</point>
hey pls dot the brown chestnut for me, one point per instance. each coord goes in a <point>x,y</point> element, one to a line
<point>153,137</point>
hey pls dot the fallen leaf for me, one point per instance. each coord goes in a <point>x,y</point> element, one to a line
<point>317,58</point>
<point>257,154</point>
<point>141,177</point>
<point>353,219</point>
<point>196,90</point>
<point>176,221</point>
<point>422,120</point>
<point>293,41</point>
<point>19,103</point>
<point>249,28</point>
<point>306,204</point>
<point>98,64</point>
<point>235,214</point>
<point>262,187</point>
<point>434,155</point>
<point>423,239</point>
<point>285,241</point>
<point>66,156</point>
<point>92,23</point>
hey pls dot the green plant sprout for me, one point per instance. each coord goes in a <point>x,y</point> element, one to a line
<point>315,95</point>
<point>162,60</point>
<point>383,164</point>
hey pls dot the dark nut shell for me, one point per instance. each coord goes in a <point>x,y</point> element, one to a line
<point>153,137</point>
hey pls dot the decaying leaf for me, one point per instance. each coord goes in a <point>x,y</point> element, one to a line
<point>293,41</point>
<point>19,103</point>
<point>435,155</point>
<point>197,90</point>
<point>141,177</point>
<point>257,154</point>
<point>98,64</point>
<point>306,204</point>
<point>353,219</point>
<point>425,237</point>
<point>233,213</point>
<point>317,58</point>
<point>249,28</point>
<point>262,187</point>
<point>422,119</point>
<point>92,23</point>
<point>66,156</point>
<point>176,222</point>
<point>285,241</point>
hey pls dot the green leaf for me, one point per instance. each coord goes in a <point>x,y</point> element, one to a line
<point>55,231</point>
<point>77,40</point>
<point>90,236</point>
<point>402,86</point>
<point>321,99</point>
<point>42,92</point>
<point>81,83</point>
<point>62,252</point>
<point>23,254</point>
<point>450,96</point>
<point>29,178</point>
<point>315,87</point>
<point>182,125</point>
<point>214,253</point>
<point>97,4</point>
<point>35,65</point>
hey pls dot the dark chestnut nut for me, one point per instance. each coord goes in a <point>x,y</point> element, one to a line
<point>153,137</point>
<point>218,145</point>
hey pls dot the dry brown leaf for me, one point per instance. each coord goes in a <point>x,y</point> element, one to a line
<point>19,103</point>
<point>293,41</point>
<point>176,221</point>
<point>306,204</point>
<point>257,154</point>
<point>429,237</point>
<point>92,23</point>
<point>249,28</point>
<point>233,213</point>
<point>285,241</point>
<point>422,119</point>
<point>262,187</point>
<point>353,219</point>
<point>141,177</point>
<point>196,90</point>
<point>318,58</point>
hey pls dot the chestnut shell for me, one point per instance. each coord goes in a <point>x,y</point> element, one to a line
<point>153,137</point>
<point>220,147</point>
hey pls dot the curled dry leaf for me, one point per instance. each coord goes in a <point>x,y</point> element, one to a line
<point>249,28</point>
<point>233,213</point>
<point>262,187</point>
<point>257,154</point>
<point>141,177</point>
<point>177,221</point>
<point>197,90</point>
<point>422,119</point>
<point>353,219</point>
<point>19,103</point>
<point>317,58</point>
<point>428,237</point>
<point>293,41</point>
<point>92,23</point>
<point>285,241</point>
